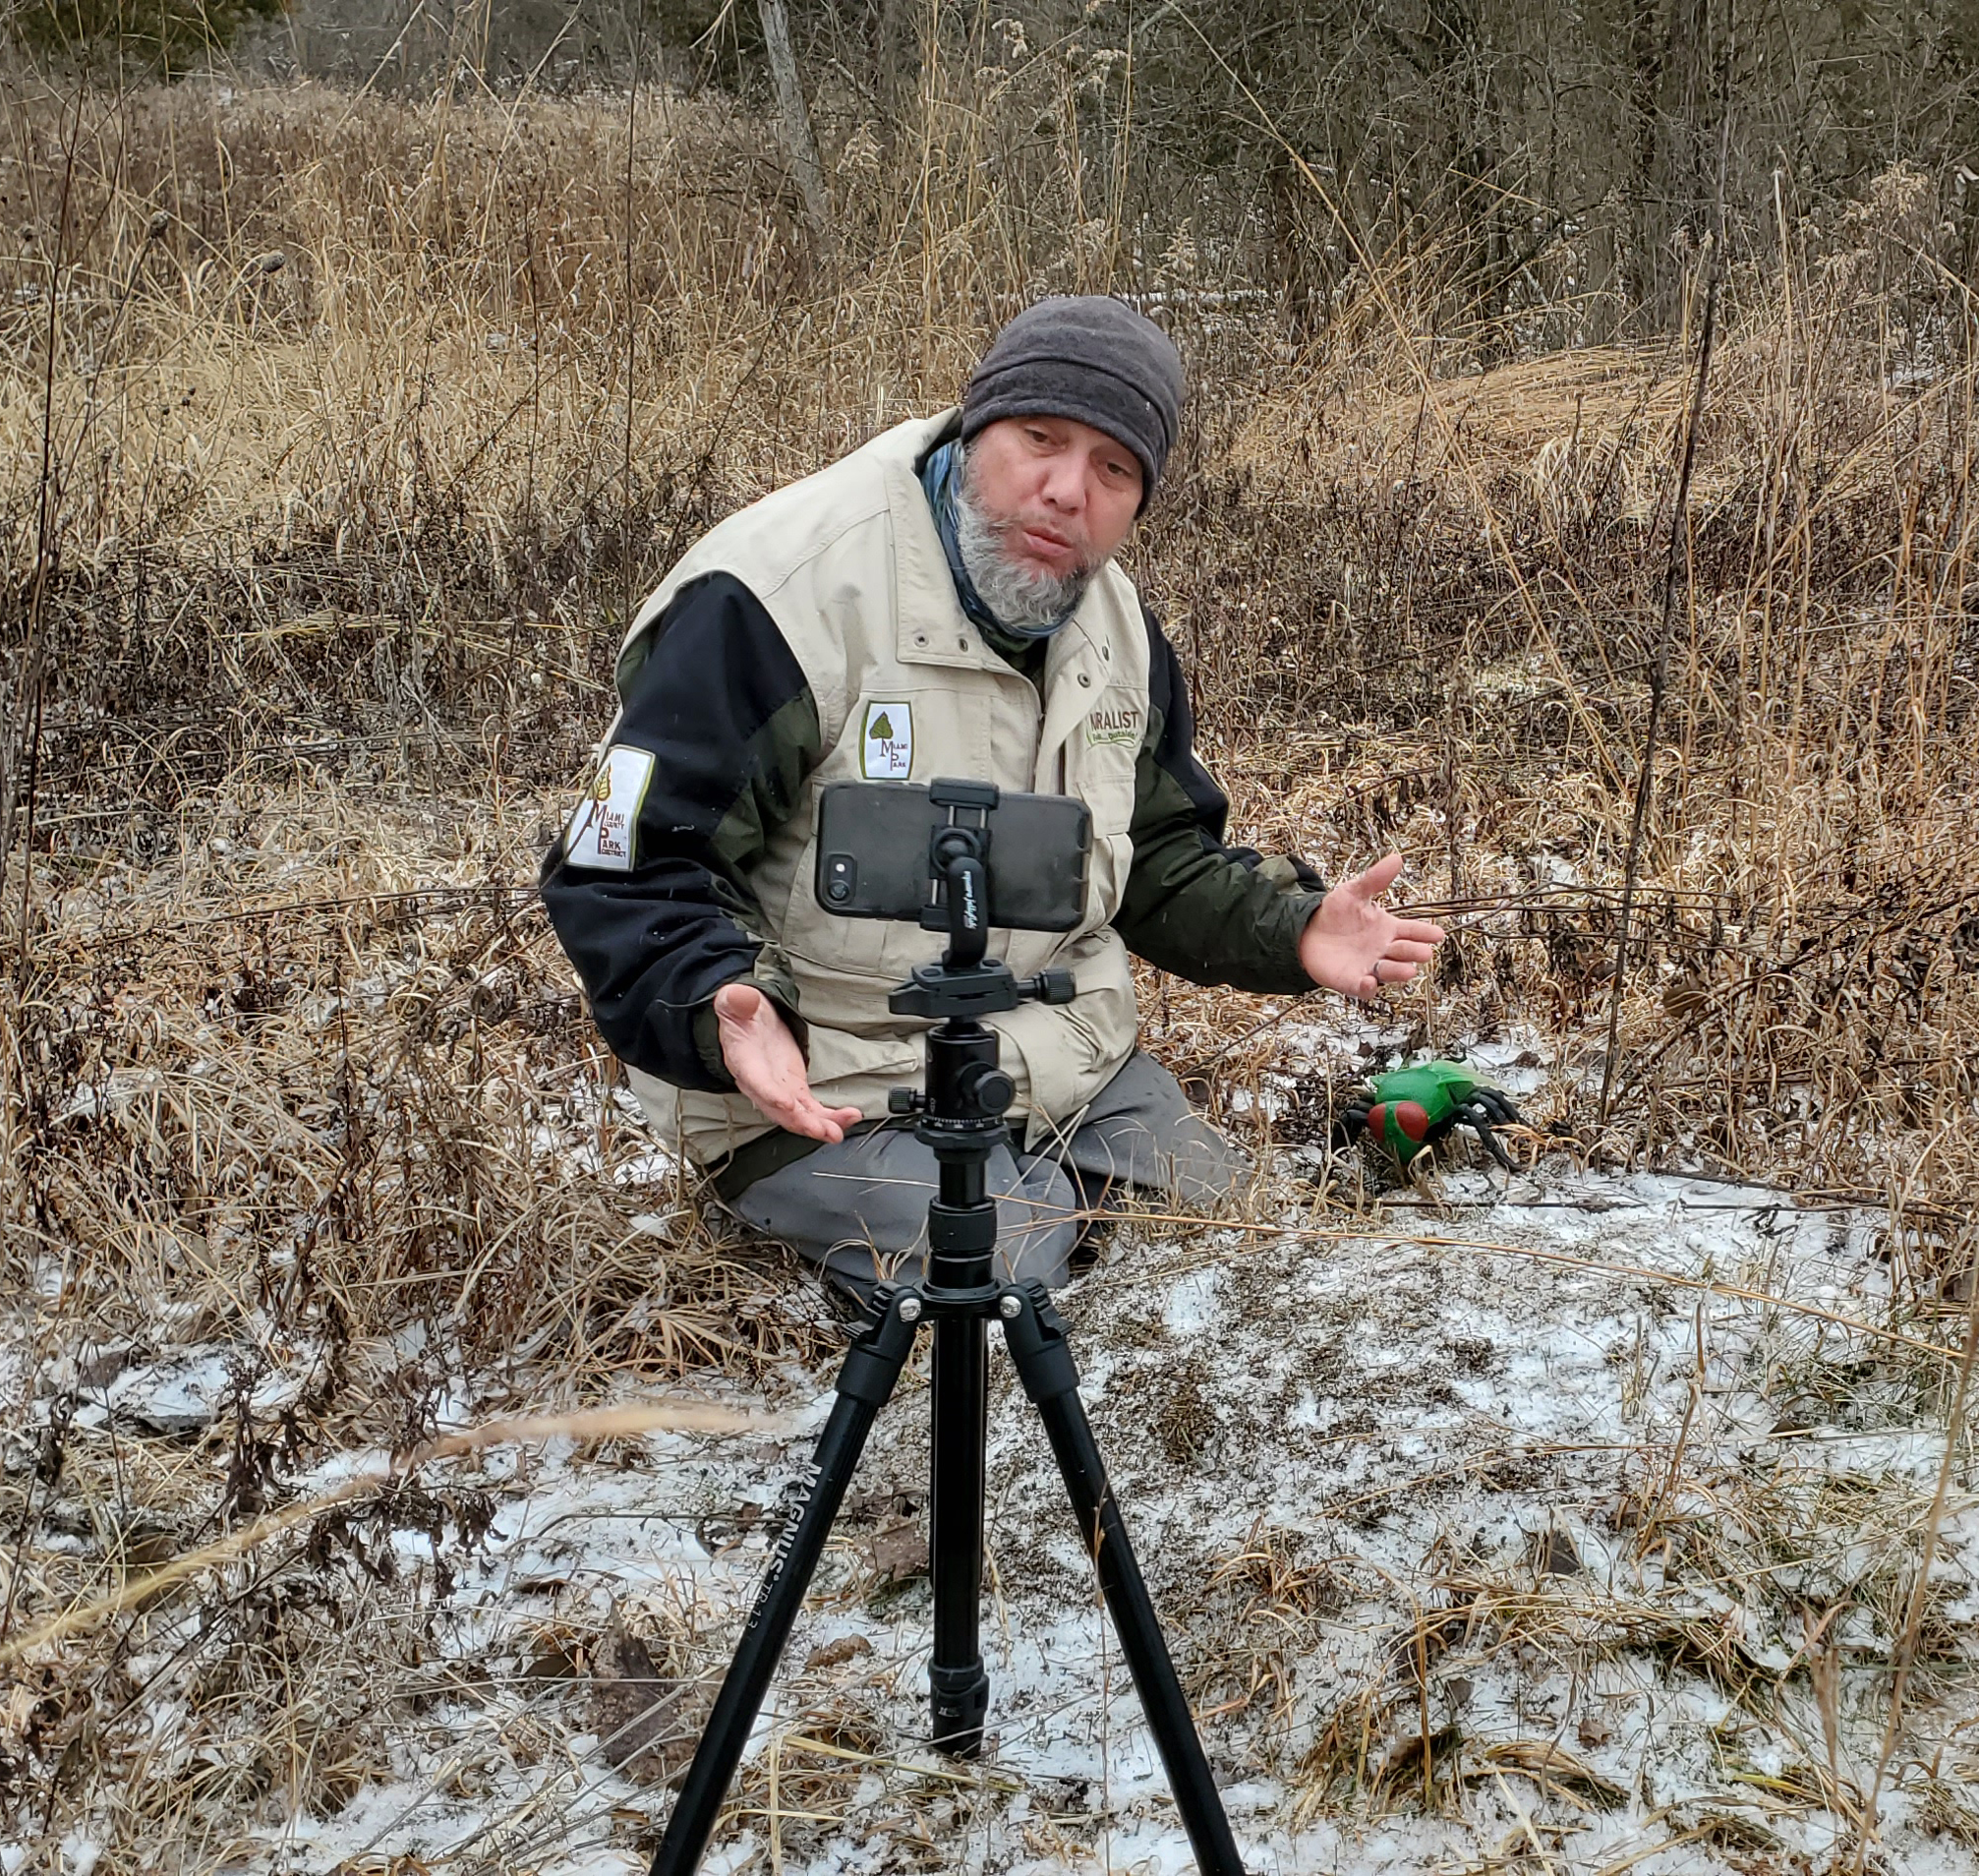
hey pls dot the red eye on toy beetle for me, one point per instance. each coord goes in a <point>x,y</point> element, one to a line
<point>1413,1119</point>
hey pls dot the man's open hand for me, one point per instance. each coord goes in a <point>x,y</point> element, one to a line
<point>769,1068</point>
<point>1356,947</point>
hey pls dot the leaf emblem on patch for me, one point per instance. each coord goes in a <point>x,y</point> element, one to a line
<point>603,831</point>
<point>887,743</point>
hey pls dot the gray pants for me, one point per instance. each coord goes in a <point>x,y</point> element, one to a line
<point>860,1208</point>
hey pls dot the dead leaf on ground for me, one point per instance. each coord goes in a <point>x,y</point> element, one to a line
<point>1554,1554</point>
<point>835,1654</point>
<point>646,1722</point>
<point>899,1550</point>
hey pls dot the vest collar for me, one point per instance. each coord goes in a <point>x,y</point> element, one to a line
<point>928,619</point>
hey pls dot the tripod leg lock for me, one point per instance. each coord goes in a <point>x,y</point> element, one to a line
<point>880,1350</point>
<point>960,1704</point>
<point>1036,1339</point>
<point>962,1231</point>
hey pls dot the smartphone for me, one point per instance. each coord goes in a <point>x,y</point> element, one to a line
<point>875,851</point>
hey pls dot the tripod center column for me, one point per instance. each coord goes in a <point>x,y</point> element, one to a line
<point>966,1099</point>
<point>968,1096</point>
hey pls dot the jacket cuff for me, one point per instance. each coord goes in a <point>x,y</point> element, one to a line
<point>1300,896</point>
<point>706,1027</point>
<point>773,978</point>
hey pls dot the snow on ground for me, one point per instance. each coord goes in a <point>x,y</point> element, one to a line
<point>1478,1549</point>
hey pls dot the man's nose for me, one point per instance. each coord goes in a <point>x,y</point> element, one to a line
<point>1064,486</point>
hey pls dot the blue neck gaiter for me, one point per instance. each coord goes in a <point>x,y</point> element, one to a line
<point>941,478</point>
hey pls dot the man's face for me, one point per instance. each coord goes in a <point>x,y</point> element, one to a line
<point>1060,494</point>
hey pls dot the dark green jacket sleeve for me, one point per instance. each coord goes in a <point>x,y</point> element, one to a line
<point>1206,911</point>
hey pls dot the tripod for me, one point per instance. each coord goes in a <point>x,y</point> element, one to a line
<point>961,1120</point>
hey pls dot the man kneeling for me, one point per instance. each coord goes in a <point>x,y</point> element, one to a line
<point>941,602</point>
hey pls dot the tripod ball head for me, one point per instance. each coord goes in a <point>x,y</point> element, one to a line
<point>981,1091</point>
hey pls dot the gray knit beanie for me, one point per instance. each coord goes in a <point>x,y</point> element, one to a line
<point>1091,359</point>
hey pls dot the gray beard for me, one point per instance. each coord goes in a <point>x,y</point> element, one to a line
<point>1025,598</point>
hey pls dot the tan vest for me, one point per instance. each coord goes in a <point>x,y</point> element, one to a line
<point>850,566</point>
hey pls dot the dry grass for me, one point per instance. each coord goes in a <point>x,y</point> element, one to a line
<point>364,419</point>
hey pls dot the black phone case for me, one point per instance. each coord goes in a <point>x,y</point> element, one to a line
<point>873,854</point>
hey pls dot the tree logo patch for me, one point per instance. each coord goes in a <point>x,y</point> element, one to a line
<point>887,743</point>
<point>603,831</point>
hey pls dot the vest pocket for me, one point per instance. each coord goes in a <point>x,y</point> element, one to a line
<point>1071,1050</point>
<point>1103,777</point>
<point>857,1071</point>
<point>822,938</point>
<point>1106,879</point>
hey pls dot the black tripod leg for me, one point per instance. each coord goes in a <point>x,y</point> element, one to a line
<point>957,1681</point>
<point>872,1370</point>
<point>1050,1378</point>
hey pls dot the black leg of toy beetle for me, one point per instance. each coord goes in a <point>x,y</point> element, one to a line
<point>1476,1115</point>
<point>1499,1109</point>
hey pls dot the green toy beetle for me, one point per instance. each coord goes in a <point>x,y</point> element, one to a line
<point>1415,1107</point>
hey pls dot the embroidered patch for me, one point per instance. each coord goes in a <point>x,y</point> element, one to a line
<point>887,743</point>
<point>1120,722</point>
<point>603,832</point>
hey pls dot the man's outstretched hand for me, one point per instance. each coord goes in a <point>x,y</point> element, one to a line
<point>769,1068</point>
<point>1356,947</point>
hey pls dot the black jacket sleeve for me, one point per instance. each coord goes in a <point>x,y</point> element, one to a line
<point>1206,911</point>
<point>722,707</point>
